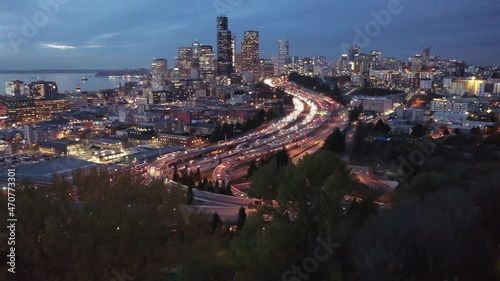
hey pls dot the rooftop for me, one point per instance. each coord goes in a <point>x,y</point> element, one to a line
<point>43,171</point>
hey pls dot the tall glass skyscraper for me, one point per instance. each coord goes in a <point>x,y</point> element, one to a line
<point>196,47</point>
<point>283,54</point>
<point>353,51</point>
<point>224,50</point>
<point>250,52</point>
<point>185,62</point>
<point>159,71</point>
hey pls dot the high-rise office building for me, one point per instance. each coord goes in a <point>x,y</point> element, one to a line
<point>15,88</point>
<point>361,64</point>
<point>426,52</point>
<point>343,66</point>
<point>43,89</point>
<point>266,68</point>
<point>196,47</point>
<point>233,52</point>
<point>224,50</point>
<point>375,58</point>
<point>159,71</point>
<point>185,62</point>
<point>222,22</point>
<point>206,49</point>
<point>353,51</point>
<point>426,55</point>
<point>208,67</point>
<point>250,52</point>
<point>238,62</point>
<point>283,54</point>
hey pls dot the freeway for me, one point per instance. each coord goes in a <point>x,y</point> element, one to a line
<point>298,135</point>
<point>252,140</point>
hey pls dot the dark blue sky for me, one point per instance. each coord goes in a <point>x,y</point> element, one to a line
<point>129,33</point>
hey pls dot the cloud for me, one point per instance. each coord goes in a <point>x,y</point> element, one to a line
<point>56,46</point>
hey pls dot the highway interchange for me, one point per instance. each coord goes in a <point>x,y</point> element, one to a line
<point>303,131</point>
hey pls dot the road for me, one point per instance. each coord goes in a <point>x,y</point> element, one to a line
<point>303,131</point>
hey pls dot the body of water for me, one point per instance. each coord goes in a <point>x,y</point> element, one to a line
<point>65,81</point>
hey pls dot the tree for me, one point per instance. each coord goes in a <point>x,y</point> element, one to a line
<point>336,94</point>
<point>175,176</point>
<point>252,168</point>
<point>222,189</point>
<point>418,131</point>
<point>242,216</point>
<point>335,142</point>
<point>198,174</point>
<point>120,224</point>
<point>308,206</point>
<point>445,238</point>
<point>215,222</point>
<point>282,158</point>
<point>265,181</point>
<point>229,191</point>
<point>205,183</point>
<point>387,129</point>
<point>355,113</point>
<point>475,131</point>
<point>379,126</point>
<point>190,196</point>
<point>446,132</point>
<point>323,88</point>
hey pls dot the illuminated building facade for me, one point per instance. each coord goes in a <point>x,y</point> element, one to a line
<point>196,48</point>
<point>20,110</point>
<point>224,50</point>
<point>471,87</point>
<point>353,51</point>
<point>208,67</point>
<point>283,54</point>
<point>266,68</point>
<point>185,62</point>
<point>206,49</point>
<point>46,108</point>
<point>181,139</point>
<point>250,52</point>
<point>159,71</point>
<point>15,88</point>
<point>43,89</point>
<point>234,61</point>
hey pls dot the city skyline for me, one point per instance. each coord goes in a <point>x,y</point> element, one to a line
<point>69,40</point>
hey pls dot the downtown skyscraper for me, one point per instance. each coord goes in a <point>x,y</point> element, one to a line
<point>185,61</point>
<point>283,55</point>
<point>224,50</point>
<point>159,71</point>
<point>353,51</point>
<point>250,52</point>
<point>208,63</point>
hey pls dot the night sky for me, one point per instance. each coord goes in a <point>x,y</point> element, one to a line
<point>109,34</point>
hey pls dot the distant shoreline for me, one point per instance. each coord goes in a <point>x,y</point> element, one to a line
<point>50,71</point>
<point>97,72</point>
